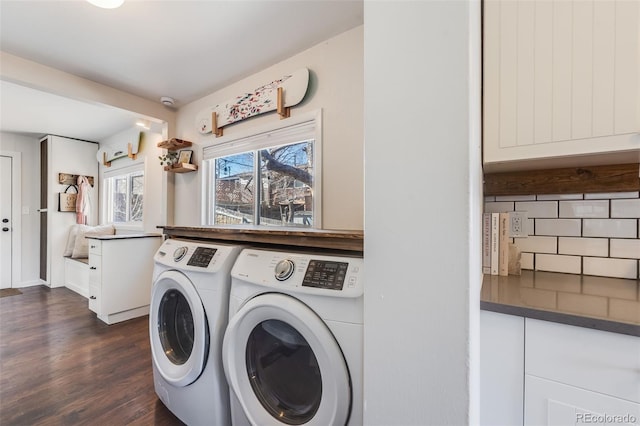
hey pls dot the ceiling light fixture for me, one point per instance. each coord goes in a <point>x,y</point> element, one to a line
<point>166,100</point>
<point>107,4</point>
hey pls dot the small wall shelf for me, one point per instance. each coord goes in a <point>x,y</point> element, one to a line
<point>181,168</point>
<point>174,144</point>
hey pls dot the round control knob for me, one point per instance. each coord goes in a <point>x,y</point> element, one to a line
<point>180,253</point>
<point>284,269</point>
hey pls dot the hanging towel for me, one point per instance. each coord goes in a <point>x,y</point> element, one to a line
<point>83,203</point>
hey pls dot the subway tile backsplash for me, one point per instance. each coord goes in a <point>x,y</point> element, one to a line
<point>589,234</point>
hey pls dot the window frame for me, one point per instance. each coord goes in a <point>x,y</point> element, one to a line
<point>107,203</point>
<point>253,141</point>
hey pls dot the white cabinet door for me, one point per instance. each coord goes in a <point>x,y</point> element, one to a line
<point>556,404</point>
<point>95,283</point>
<point>599,361</point>
<point>561,79</point>
<point>501,369</point>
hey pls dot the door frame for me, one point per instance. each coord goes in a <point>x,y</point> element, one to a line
<point>16,219</point>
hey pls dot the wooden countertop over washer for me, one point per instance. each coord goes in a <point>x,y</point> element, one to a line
<point>325,239</point>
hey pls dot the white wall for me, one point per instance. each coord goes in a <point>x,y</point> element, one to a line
<point>336,86</point>
<point>148,152</point>
<point>422,158</point>
<point>30,194</point>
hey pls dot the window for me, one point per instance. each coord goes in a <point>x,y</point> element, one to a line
<point>124,197</point>
<point>269,179</point>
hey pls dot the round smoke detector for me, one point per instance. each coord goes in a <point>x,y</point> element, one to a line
<point>167,101</point>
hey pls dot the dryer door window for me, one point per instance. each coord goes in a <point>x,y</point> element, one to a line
<point>175,326</point>
<point>178,329</point>
<point>283,363</point>
<point>284,372</point>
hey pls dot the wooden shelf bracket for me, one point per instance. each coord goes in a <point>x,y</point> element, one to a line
<point>130,152</point>
<point>104,160</point>
<point>214,125</point>
<point>283,111</point>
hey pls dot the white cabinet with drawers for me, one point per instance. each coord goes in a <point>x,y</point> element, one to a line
<point>561,79</point>
<point>120,275</point>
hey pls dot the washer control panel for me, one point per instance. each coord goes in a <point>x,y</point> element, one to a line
<point>325,274</point>
<point>202,256</point>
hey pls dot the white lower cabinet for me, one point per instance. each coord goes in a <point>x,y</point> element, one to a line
<point>120,274</point>
<point>543,373</point>
<point>501,369</point>
<point>576,375</point>
<point>552,403</point>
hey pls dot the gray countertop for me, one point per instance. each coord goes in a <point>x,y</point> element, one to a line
<point>608,304</point>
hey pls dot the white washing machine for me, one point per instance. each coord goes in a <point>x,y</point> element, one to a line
<point>187,320</point>
<point>292,352</point>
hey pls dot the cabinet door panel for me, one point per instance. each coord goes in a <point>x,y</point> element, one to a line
<point>526,76</point>
<point>562,33</point>
<point>551,403</point>
<point>501,369</point>
<point>491,77</point>
<point>627,115</point>
<point>582,70</point>
<point>95,299</point>
<point>508,73</point>
<point>591,359</point>
<point>543,69</point>
<point>95,267</point>
<point>604,43</point>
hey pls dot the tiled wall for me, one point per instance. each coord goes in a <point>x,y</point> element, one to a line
<point>590,234</point>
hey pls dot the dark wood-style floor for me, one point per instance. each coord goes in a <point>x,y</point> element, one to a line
<point>60,365</point>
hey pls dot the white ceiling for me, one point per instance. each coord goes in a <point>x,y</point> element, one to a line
<point>182,49</point>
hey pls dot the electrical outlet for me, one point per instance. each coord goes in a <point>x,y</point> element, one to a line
<point>518,224</point>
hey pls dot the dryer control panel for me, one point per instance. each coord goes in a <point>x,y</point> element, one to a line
<point>195,256</point>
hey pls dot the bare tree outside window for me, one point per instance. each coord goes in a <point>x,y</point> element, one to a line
<point>284,185</point>
<point>287,183</point>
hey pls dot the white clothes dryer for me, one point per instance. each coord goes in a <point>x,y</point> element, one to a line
<point>292,352</point>
<point>187,319</point>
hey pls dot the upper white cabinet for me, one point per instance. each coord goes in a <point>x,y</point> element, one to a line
<point>561,79</point>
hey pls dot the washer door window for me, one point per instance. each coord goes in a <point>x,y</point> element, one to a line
<point>283,363</point>
<point>178,329</point>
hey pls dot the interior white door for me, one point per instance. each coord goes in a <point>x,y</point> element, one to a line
<point>6,164</point>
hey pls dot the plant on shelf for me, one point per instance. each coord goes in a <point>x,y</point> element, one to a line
<point>168,159</point>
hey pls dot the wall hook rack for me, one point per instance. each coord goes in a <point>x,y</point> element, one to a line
<point>71,179</point>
